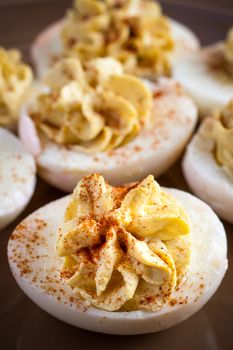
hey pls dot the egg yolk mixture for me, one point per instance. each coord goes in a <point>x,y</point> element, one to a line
<point>133,31</point>
<point>93,109</point>
<point>228,50</point>
<point>123,248</point>
<point>15,79</point>
<point>223,137</point>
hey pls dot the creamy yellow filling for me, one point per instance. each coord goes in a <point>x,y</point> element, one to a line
<point>133,31</point>
<point>223,137</point>
<point>228,48</point>
<point>93,109</point>
<point>123,248</point>
<point>15,79</point>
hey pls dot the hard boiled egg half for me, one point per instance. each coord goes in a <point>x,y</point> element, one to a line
<point>135,32</point>
<point>15,81</point>
<point>130,259</point>
<point>17,177</point>
<point>207,75</point>
<point>98,119</point>
<point>208,162</point>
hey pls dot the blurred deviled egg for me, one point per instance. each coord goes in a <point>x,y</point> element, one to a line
<point>95,118</point>
<point>208,162</point>
<point>208,75</point>
<point>17,177</point>
<point>121,260</point>
<point>15,80</point>
<point>135,32</point>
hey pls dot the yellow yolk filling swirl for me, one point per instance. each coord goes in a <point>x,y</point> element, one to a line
<point>123,248</point>
<point>133,31</point>
<point>93,109</point>
<point>222,133</point>
<point>15,80</point>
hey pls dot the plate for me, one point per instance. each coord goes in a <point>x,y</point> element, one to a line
<point>23,326</point>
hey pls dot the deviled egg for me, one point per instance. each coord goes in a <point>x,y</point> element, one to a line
<point>130,259</point>
<point>208,162</point>
<point>207,75</point>
<point>98,119</point>
<point>15,80</point>
<point>17,177</point>
<point>133,31</point>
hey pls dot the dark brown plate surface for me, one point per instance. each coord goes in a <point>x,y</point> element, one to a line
<point>23,326</point>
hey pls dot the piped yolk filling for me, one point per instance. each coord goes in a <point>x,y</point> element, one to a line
<point>223,136</point>
<point>133,31</point>
<point>228,50</point>
<point>15,79</point>
<point>93,109</point>
<point>123,248</point>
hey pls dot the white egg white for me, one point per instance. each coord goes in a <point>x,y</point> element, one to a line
<point>185,39</point>
<point>153,151</point>
<point>207,179</point>
<point>208,90</point>
<point>17,177</point>
<point>47,46</point>
<point>35,266</point>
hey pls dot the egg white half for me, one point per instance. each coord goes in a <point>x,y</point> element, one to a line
<point>207,90</point>
<point>17,177</point>
<point>35,266</point>
<point>47,46</point>
<point>153,151</point>
<point>207,179</point>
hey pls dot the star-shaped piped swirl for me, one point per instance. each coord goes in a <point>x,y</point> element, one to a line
<point>222,133</point>
<point>120,244</point>
<point>133,31</point>
<point>91,109</point>
<point>15,80</point>
<point>228,50</point>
